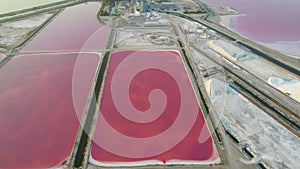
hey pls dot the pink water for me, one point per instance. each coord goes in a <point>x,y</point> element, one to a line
<point>266,20</point>
<point>76,28</point>
<point>138,124</point>
<point>38,121</point>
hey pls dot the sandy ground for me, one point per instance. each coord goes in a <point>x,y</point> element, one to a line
<point>269,141</point>
<point>290,87</point>
<point>227,17</point>
<point>226,10</point>
<point>15,5</point>
<point>153,31</point>
<point>290,48</point>
<point>193,32</point>
<point>14,33</point>
<point>258,66</point>
<point>144,37</point>
<point>1,56</point>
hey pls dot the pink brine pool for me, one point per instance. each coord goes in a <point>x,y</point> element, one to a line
<point>149,114</point>
<point>38,121</point>
<point>266,20</point>
<point>75,28</point>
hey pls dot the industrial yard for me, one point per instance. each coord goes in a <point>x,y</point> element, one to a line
<point>143,84</point>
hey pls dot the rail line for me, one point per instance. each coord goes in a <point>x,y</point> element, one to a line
<point>288,63</point>
<point>275,103</point>
<point>260,93</point>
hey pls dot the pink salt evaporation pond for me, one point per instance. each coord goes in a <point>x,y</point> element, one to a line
<point>149,114</point>
<point>266,21</point>
<point>38,122</point>
<point>75,29</point>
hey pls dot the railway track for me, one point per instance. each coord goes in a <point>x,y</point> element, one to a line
<point>275,103</point>
<point>288,63</point>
